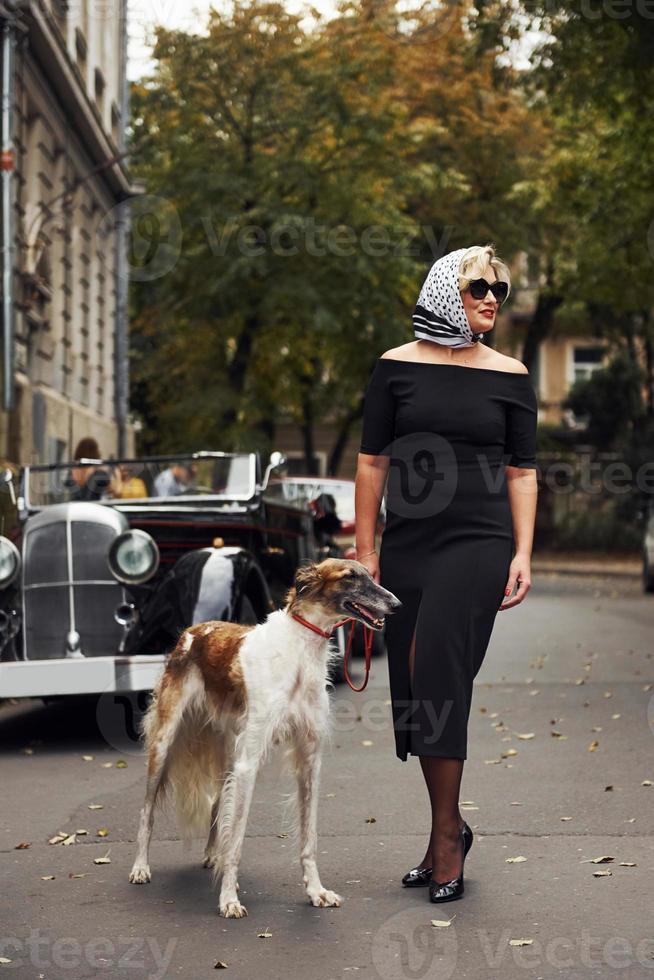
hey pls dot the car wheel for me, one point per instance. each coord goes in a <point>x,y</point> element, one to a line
<point>248,615</point>
<point>648,576</point>
<point>337,666</point>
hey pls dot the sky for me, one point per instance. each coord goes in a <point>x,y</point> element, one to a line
<point>144,15</point>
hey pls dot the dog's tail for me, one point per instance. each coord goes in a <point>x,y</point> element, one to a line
<point>179,724</point>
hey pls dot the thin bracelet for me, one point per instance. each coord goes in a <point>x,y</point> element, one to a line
<point>373,552</point>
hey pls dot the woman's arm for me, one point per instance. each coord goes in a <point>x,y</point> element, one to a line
<point>369,486</point>
<point>522,487</point>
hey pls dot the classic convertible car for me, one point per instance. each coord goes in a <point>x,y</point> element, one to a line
<point>112,559</point>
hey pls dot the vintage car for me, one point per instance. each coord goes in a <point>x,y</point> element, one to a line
<point>112,559</point>
<point>331,501</point>
<point>648,550</point>
<point>314,489</point>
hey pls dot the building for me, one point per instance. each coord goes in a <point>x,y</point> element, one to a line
<point>63,228</point>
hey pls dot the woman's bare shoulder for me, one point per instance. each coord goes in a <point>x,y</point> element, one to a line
<point>405,352</point>
<point>505,363</point>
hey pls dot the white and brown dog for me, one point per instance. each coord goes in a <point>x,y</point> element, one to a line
<point>227,694</point>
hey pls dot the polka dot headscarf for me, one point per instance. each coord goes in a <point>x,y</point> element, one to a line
<point>439,314</point>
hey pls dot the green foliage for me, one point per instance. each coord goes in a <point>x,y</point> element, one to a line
<point>611,400</point>
<point>364,147</point>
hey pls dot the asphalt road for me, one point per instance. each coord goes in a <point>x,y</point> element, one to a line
<point>571,667</point>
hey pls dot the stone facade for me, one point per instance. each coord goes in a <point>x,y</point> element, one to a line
<point>69,98</point>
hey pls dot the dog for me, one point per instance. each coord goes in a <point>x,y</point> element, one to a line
<point>227,694</point>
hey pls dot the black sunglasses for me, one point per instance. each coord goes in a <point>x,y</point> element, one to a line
<point>479,289</point>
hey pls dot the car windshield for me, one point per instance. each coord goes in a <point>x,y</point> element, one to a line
<point>302,491</point>
<point>155,478</point>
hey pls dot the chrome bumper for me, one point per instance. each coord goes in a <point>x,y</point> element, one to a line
<point>92,675</point>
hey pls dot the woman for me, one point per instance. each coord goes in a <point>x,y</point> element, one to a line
<point>457,420</point>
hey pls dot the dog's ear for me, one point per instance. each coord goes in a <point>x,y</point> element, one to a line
<point>306,577</point>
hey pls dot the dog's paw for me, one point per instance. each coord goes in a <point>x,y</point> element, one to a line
<point>326,899</point>
<point>233,910</point>
<point>140,874</point>
<point>209,861</point>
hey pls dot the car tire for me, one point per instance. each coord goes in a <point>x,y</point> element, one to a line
<point>648,576</point>
<point>337,666</point>
<point>247,613</point>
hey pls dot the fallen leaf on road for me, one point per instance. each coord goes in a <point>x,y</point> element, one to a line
<point>615,717</point>
<point>23,845</point>
<point>47,877</point>
<point>566,818</point>
<point>492,762</point>
<point>88,758</point>
<point>526,735</point>
<point>95,806</point>
<point>608,789</point>
<point>608,694</point>
<point>371,819</point>
<point>264,935</point>
<point>27,751</point>
<point>220,965</point>
<point>516,860</point>
<point>646,782</point>
<point>602,874</point>
<point>556,734</point>
<point>531,693</point>
<point>597,728</point>
<point>121,764</point>
<point>469,806</point>
<point>442,923</point>
<point>367,741</point>
<point>628,864</point>
<point>594,745</point>
<point>71,839</point>
<point>58,838</point>
<point>107,765</point>
<point>282,836</point>
<point>520,942</point>
<point>5,960</point>
<point>81,833</point>
<point>509,752</point>
<point>103,860</point>
<point>83,874</point>
<point>102,832</point>
<point>605,859</point>
<point>647,687</point>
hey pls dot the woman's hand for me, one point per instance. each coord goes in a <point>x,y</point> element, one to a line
<point>520,575</point>
<point>371,562</point>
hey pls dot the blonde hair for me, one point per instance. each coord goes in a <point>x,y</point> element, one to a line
<point>476,260</point>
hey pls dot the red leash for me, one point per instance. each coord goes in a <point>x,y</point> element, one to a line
<point>367,645</point>
<point>367,653</point>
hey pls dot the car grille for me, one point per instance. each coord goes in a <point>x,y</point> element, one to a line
<point>61,593</point>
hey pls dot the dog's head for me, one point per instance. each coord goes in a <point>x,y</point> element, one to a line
<point>339,588</point>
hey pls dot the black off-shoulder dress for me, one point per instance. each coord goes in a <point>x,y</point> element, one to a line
<point>449,431</point>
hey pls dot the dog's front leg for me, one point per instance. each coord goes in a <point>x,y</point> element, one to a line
<point>232,819</point>
<point>307,763</point>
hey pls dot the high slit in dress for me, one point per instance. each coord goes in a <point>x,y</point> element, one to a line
<point>446,549</point>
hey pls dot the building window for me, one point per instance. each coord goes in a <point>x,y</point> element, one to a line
<point>585,361</point>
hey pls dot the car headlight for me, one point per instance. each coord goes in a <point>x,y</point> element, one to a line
<point>133,557</point>
<point>9,562</point>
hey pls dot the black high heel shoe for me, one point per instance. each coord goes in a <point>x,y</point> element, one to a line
<point>420,877</point>
<point>447,891</point>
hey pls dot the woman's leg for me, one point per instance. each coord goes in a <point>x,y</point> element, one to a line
<point>443,780</point>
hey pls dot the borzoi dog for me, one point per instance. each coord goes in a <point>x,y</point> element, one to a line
<point>230,691</point>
